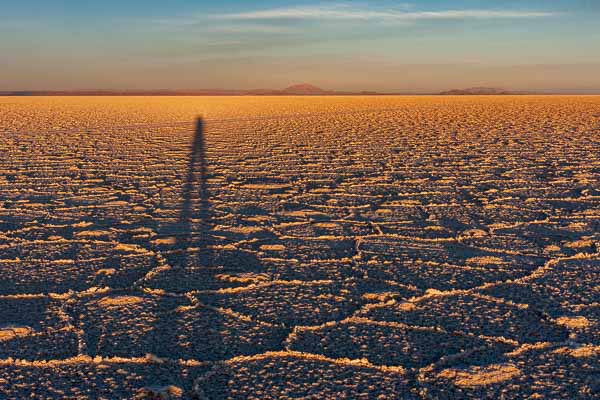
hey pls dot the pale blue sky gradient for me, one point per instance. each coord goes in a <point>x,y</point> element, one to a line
<point>377,45</point>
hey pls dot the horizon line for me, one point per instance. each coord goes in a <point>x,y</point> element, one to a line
<point>281,93</point>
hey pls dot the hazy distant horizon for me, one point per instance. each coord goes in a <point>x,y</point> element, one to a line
<point>420,80</point>
<point>556,91</point>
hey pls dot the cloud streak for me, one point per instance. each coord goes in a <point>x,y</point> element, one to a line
<point>344,12</point>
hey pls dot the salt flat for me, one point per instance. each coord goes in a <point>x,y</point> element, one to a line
<point>285,247</point>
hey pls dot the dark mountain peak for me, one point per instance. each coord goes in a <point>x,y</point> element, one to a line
<point>303,88</point>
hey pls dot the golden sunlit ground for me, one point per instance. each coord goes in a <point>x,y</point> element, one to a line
<point>316,247</point>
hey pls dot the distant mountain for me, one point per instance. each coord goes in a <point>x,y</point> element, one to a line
<point>479,91</point>
<point>304,89</point>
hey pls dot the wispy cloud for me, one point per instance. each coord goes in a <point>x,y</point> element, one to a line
<point>252,28</point>
<point>277,20</point>
<point>347,12</point>
<point>187,24</point>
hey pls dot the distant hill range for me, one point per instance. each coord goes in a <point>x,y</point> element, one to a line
<point>481,91</point>
<point>303,89</point>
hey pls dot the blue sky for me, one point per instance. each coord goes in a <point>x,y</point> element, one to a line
<point>347,45</point>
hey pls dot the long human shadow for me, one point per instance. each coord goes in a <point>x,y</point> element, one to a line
<point>199,259</point>
<point>194,218</point>
<point>195,237</point>
<point>196,223</point>
<point>195,242</point>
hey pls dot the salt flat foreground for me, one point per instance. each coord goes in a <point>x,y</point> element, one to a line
<point>376,247</point>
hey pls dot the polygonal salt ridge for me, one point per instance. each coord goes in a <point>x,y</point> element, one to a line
<point>583,323</point>
<point>543,236</point>
<point>14,217</point>
<point>166,325</point>
<point>407,196</point>
<point>227,256</point>
<point>315,270</point>
<point>241,210</point>
<point>37,231</point>
<point>388,343</point>
<point>450,251</point>
<point>561,284</point>
<point>101,378</point>
<point>56,266</point>
<point>243,232</point>
<point>395,247</point>
<point>295,302</point>
<point>345,271</point>
<point>536,371</point>
<point>169,392</point>
<point>35,327</point>
<point>330,227</point>
<point>588,244</point>
<point>334,203</point>
<point>456,217</point>
<point>420,229</point>
<point>470,313</point>
<point>292,374</point>
<point>39,312</point>
<point>75,229</point>
<point>509,241</point>
<point>569,205</point>
<point>183,279</point>
<point>444,276</point>
<point>63,249</point>
<point>210,333</point>
<point>207,268</point>
<point>119,311</point>
<point>317,248</point>
<point>498,213</point>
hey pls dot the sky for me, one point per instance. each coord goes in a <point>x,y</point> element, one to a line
<point>390,46</point>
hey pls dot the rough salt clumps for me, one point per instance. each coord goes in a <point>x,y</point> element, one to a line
<point>583,323</point>
<point>557,288</point>
<point>317,248</point>
<point>98,378</point>
<point>292,374</point>
<point>10,332</point>
<point>471,314</point>
<point>159,393</point>
<point>172,327</point>
<point>536,371</point>
<point>475,377</point>
<point>441,276</point>
<point>315,228</point>
<point>56,266</point>
<point>290,302</point>
<point>405,250</point>
<point>387,343</point>
<point>316,270</point>
<point>201,268</point>
<point>35,328</point>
